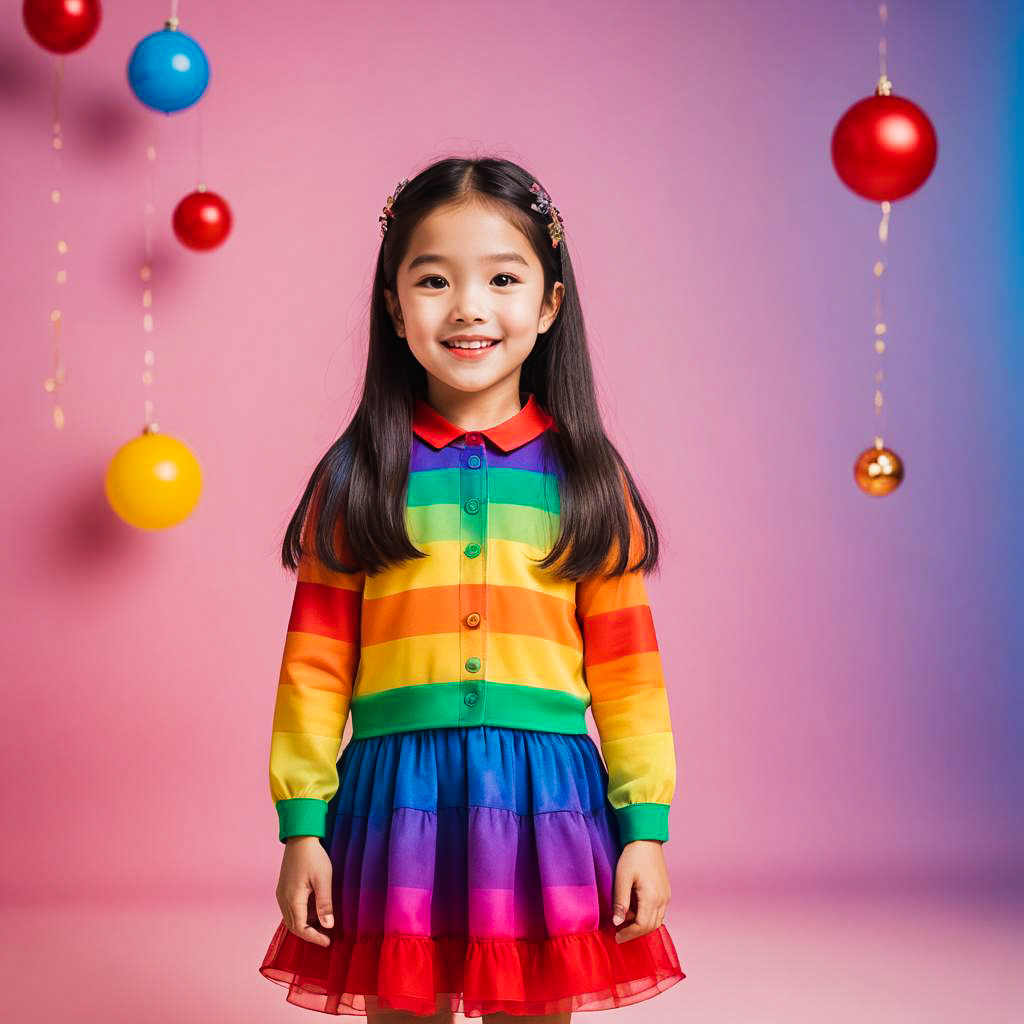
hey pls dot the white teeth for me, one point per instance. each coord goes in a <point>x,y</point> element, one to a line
<point>470,344</point>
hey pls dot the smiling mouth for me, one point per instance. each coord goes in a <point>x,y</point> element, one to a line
<point>470,344</point>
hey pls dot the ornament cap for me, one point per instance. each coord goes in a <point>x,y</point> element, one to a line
<point>150,428</point>
<point>884,87</point>
<point>171,24</point>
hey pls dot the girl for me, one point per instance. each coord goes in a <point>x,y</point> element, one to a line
<point>471,556</point>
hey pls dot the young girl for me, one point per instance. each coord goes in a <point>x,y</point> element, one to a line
<point>471,556</point>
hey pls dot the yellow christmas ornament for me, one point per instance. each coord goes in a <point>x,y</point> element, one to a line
<point>878,470</point>
<point>153,481</point>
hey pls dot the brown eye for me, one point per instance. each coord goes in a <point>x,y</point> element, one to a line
<point>437,277</point>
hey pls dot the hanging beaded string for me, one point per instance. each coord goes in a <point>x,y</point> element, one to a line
<point>146,276</point>
<point>881,328</point>
<point>55,381</point>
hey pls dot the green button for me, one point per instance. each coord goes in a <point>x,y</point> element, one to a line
<point>472,550</point>
<point>472,505</point>
<point>473,664</point>
<point>473,462</point>
<point>471,698</point>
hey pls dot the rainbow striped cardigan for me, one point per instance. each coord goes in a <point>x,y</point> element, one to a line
<point>473,634</point>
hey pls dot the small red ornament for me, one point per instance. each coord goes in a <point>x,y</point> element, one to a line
<point>61,26</point>
<point>202,220</point>
<point>884,147</point>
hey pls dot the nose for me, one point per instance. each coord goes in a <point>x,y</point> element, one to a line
<point>468,305</point>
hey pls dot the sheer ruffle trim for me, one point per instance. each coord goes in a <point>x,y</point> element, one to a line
<point>418,974</point>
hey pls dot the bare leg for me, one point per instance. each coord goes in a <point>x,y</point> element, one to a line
<point>443,1015</point>
<point>509,1018</point>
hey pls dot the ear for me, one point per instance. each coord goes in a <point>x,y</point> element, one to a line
<point>551,307</point>
<point>395,311</point>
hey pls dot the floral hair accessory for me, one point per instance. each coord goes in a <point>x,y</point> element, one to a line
<point>388,214</point>
<point>544,205</point>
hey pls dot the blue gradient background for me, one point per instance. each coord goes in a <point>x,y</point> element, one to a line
<point>845,674</point>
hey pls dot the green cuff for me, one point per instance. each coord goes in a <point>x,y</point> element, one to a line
<point>642,821</point>
<point>302,816</point>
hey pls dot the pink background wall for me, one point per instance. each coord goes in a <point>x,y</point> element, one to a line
<point>845,673</point>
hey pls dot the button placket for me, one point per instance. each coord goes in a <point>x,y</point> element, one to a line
<point>472,578</point>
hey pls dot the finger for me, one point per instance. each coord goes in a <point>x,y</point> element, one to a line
<point>322,892</point>
<point>297,906</point>
<point>310,934</point>
<point>621,896</point>
<point>282,905</point>
<point>630,913</point>
<point>646,913</point>
<point>302,928</point>
<point>629,932</point>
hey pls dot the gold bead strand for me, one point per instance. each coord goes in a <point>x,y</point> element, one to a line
<point>881,264</point>
<point>146,274</point>
<point>881,327</point>
<point>54,383</point>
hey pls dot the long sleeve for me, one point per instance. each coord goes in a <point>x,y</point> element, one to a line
<point>318,668</point>
<point>629,702</point>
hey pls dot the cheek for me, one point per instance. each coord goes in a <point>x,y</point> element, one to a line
<point>521,318</point>
<point>424,315</point>
<point>424,351</point>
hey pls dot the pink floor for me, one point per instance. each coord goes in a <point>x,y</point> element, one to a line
<point>853,958</point>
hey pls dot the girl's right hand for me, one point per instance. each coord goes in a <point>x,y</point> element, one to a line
<point>306,872</point>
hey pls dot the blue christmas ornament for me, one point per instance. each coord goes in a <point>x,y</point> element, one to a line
<point>168,70</point>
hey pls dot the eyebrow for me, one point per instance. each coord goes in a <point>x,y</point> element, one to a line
<point>498,257</point>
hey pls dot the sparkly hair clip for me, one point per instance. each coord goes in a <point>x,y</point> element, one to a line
<point>388,214</point>
<point>544,205</point>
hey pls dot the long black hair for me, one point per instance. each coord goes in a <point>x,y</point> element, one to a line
<point>357,492</point>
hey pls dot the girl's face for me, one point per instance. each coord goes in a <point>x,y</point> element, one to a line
<point>468,270</point>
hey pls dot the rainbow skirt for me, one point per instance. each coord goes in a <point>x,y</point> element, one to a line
<point>473,868</point>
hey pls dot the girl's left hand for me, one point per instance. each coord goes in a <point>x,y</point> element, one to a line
<point>642,890</point>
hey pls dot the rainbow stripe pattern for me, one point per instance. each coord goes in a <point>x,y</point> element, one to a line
<point>476,863</point>
<point>474,633</point>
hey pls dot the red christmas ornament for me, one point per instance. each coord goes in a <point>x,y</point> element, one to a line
<point>61,26</point>
<point>884,147</point>
<point>202,220</point>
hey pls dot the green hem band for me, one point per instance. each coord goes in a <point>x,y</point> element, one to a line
<point>301,816</point>
<point>642,821</point>
<point>467,703</point>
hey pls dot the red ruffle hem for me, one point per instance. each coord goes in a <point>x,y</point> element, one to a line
<point>558,974</point>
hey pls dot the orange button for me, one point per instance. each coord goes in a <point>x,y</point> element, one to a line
<point>473,620</point>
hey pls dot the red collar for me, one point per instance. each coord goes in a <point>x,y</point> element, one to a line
<point>528,423</point>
